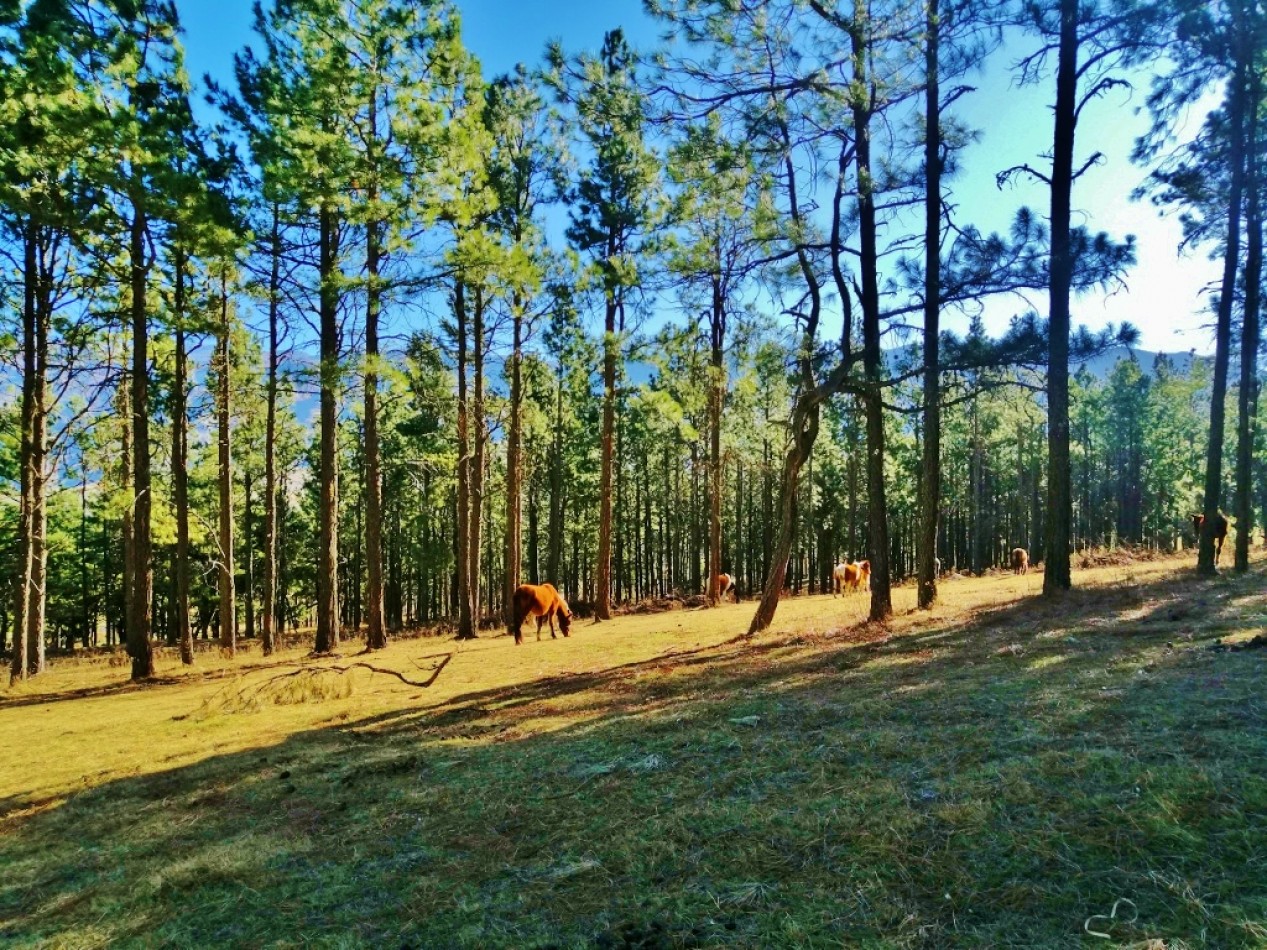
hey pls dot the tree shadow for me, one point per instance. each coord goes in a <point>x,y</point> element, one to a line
<point>965,784</point>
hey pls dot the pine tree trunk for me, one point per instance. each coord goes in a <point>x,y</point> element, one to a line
<point>717,391</point>
<point>872,361</point>
<point>269,634</point>
<point>479,443</point>
<point>1059,515</point>
<point>1236,108</point>
<point>127,526</point>
<point>328,550</point>
<point>20,666</point>
<point>555,556</point>
<point>465,583</point>
<point>1247,403</point>
<point>603,576</point>
<point>514,462</point>
<point>180,470</point>
<point>142,594</point>
<point>228,599</point>
<point>375,631</point>
<point>930,472</point>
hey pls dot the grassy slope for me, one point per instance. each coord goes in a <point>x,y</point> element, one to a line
<point>992,775</point>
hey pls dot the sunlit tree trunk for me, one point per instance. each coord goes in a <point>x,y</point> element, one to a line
<point>228,599</point>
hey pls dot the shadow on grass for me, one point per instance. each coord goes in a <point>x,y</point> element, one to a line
<point>992,783</point>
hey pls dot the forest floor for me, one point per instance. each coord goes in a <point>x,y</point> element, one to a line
<point>1003,771</point>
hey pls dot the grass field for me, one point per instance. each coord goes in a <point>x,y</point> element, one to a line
<point>1002,772</point>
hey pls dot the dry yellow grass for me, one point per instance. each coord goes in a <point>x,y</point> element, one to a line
<point>82,724</point>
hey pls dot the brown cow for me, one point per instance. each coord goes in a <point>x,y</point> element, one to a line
<point>851,577</point>
<point>1020,561</point>
<point>725,583</point>
<point>1220,532</point>
<point>543,602</point>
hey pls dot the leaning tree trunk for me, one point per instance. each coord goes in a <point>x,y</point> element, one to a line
<point>180,469</point>
<point>228,604</point>
<point>1247,403</point>
<point>1236,108</point>
<point>328,549</point>
<point>930,473</point>
<point>805,426</point>
<point>1059,516</point>
<point>139,646</point>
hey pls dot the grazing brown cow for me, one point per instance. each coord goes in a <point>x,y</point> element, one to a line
<point>1020,561</point>
<point>543,602</point>
<point>727,583</point>
<point>1220,532</point>
<point>851,577</point>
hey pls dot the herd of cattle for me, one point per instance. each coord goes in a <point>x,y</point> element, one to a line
<point>545,603</point>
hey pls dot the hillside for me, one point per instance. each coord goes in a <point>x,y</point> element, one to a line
<point>1002,772</point>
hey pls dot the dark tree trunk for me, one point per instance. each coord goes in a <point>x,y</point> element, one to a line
<point>180,470</point>
<point>465,582</point>
<point>717,395</point>
<point>930,473</point>
<point>375,630</point>
<point>228,598</point>
<point>328,549</point>
<point>603,576</point>
<point>1236,108</point>
<point>140,649</point>
<point>270,632</point>
<point>1059,515</point>
<point>555,556</point>
<point>872,360</point>
<point>514,462</point>
<point>1247,403</point>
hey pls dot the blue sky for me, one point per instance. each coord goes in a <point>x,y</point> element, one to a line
<point>1164,294</point>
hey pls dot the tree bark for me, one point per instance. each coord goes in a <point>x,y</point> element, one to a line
<point>514,462</point>
<point>375,630</point>
<point>466,620</point>
<point>1236,108</point>
<point>180,468</point>
<point>554,562</point>
<point>479,443</point>
<point>930,473</point>
<point>142,593</point>
<point>872,358</point>
<point>328,551</point>
<point>228,599</point>
<point>603,578</point>
<point>269,633</point>
<point>716,397</point>
<point>1059,515</point>
<point>1247,402</point>
<point>20,666</point>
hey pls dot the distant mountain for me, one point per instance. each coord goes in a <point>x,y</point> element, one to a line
<point>1101,366</point>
